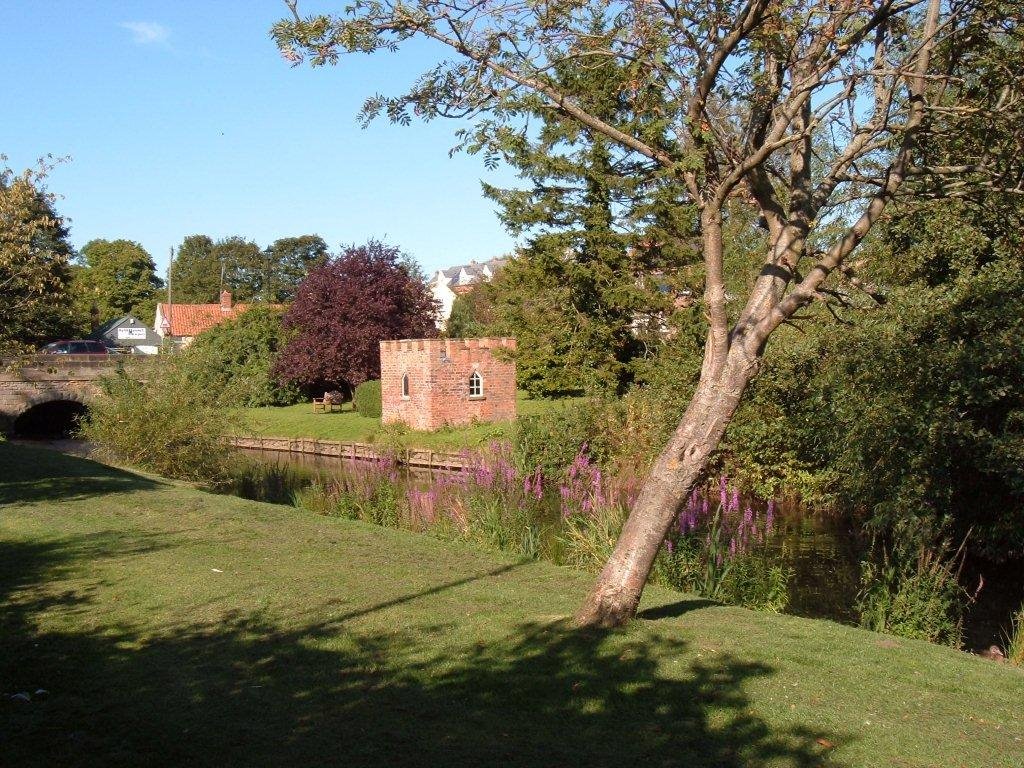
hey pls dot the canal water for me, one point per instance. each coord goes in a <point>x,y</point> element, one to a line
<point>825,550</point>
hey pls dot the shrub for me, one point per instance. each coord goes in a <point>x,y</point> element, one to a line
<point>154,416</point>
<point>911,589</point>
<point>366,399</point>
<point>937,430</point>
<point>232,361</point>
<point>552,440</point>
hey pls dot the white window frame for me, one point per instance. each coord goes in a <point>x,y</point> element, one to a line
<point>476,381</point>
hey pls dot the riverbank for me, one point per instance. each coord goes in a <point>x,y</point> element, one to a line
<point>299,421</point>
<point>167,625</point>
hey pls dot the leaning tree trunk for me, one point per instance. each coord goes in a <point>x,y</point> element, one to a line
<point>616,595</point>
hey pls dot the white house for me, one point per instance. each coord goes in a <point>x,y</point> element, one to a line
<point>449,283</point>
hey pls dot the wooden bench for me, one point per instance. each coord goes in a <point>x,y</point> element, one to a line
<point>326,404</point>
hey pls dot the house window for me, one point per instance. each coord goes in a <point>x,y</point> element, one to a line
<point>405,385</point>
<point>476,385</point>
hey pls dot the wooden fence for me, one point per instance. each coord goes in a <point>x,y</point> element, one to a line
<point>420,458</point>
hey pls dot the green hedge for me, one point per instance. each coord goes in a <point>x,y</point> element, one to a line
<point>367,399</point>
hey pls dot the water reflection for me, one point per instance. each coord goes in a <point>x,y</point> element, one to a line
<point>823,550</point>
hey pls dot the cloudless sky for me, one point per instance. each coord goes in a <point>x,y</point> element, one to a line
<point>181,117</point>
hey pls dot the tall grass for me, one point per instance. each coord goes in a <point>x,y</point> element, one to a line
<point>724,552</point>
<point>1015,639</point>
<point>911,588</point>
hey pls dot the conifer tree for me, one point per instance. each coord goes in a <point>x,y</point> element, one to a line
<point>606,235</point>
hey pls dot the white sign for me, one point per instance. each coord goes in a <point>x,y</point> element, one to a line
<point>131,332</point>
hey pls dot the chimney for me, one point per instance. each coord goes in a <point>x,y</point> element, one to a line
<point>225,301</point>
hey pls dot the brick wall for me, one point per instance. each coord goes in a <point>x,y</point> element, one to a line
<point>439,372</point>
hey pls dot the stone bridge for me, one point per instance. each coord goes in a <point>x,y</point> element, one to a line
<point>36,381</point>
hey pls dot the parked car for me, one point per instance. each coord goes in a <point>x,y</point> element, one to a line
<point>75,347</point>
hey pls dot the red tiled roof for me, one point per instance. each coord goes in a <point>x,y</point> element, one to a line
<point>193,319</point>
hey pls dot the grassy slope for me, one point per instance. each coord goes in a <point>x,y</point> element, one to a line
<point>322,641</point>
<point>300,421</point>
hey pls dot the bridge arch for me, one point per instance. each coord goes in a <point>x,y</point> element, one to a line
<point>55,416</point>
<point>27,388</point>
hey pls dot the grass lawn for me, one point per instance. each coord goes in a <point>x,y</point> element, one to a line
<point>349,426</point>
<point>174,627</point>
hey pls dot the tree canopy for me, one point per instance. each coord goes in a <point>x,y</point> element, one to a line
<point>288,261</point>
<point>203,267</point>
<point>116,277</point>
<point>35,255</point>
<point>345,308</point>
<point>244,267</point>
<point>195,272</point>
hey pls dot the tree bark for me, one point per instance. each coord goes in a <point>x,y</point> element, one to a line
<point>614,598</point>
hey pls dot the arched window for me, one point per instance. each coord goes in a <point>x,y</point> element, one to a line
<point>476,384</point>
<point>405,385</point>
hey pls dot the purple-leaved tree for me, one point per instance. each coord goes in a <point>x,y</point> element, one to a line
<point>345,308</point>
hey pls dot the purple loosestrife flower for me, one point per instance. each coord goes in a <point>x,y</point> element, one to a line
<point>748,525</point>
<point>723,492</point>
<point>734,504</point>
<point>563,492</point>
<point>769,518</point>
<point>669,546</point>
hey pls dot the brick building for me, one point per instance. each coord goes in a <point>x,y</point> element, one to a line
<point>429,383</point>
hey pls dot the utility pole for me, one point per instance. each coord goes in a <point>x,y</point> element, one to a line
<point>169,320</point>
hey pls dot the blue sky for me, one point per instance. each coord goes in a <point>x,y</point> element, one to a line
<point>181,117</point>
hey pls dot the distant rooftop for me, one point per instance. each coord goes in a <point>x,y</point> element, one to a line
<point>465,274</point>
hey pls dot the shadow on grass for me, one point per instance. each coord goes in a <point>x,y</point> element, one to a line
<point>54,476</point>
<point>245,690</point>
<point>672,610</point>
